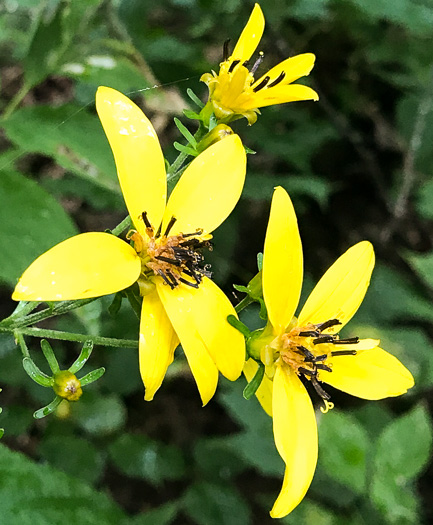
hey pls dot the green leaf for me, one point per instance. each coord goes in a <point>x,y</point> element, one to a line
<point>398,504</point>
<point>217,458</point>
<point>255,382</point>
<point>85,353</point>
<point>239,325</point>
<point>31,222</point>
<point>36,494</point>
<point>74,456</point>
<point>343,445</point>
<point>191,114</point>
<point>163,515</point>
<point>140,457</point>
<point>194,98</point>
<point>210,504</point>
<point>185,132</point>
<point>185,149</point>
<point>99,415</point>
<point>92,376</point>
<point>422,264</point>
<point>34,372</point>
<point>49,356</point>
<point>49,409</point>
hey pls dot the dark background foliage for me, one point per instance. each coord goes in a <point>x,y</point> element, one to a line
<point>357,164</point>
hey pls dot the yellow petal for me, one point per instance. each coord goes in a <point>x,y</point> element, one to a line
<point>370,374</point>
<point>138,156</point>
<point>157,343</point>
<point>226,345</point>
<point>87,265</point>
<point>280,95</point>
<point>294,68</point>
<point>363,344</point>
<point>209,189</point>
<point>264,392</point>
<point>177,304</point>
<point>341,290</point>
<point>282,262</point>
<point>250,36</point>
<point>295,433</point>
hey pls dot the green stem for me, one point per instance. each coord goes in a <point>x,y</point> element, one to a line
<point>246,301</point>
<point>22,344</point>
<point>14,103</point>
<point>69,336</point>
<point>124,225</point>
<point>133,301</point>
<point>174,171</point>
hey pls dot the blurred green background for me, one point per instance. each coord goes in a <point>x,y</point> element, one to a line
<point>358,165</point>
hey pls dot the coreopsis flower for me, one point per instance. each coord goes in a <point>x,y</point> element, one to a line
<point>234,93</point>
<point>308,349</point>
<point>180,302</point>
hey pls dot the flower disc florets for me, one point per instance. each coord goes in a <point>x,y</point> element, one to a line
<point>175,258</point>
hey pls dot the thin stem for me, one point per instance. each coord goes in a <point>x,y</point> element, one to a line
<point>22,344</point>
<point>246,301</point>
<point>16,100</point>
<point>173,171</point>
<point>124,225</point>
<point>23,308</point>
<point>69,336</point>
<point>133,301</point>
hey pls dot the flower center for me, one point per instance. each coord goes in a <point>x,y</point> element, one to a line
<point>175,258</point>
<point>306,349</point>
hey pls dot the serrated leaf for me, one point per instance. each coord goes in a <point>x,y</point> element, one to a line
<point>31,222</point>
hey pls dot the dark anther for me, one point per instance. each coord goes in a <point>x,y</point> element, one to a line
<point>308,356</point>
<point>327,324</point>
<point>172,278</point>
<point>309,333</point>
<point>175,262</point>
<point>197,232</point>
<point>192,242</point>
<point>277,80</point>
<point>319,358</point>
<point>306,371</point>
<point>170,226</point>
<point>321,366</point>
<point>166,280</point>
<point>158,233</point>
<point>226,49</point>
<point>349,341</point>
<point>233,65</point>
<point>343,352</point>
<point>324,339</point>
<point>146,220</point>
<point>189,283</point>
<point>319,389</point>
<point>257,63</point>
<point>261,85</point>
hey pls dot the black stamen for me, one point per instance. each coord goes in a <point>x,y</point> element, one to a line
<point>309,333</point>
<point>308,356</point>
<point>172,278</point>
<point>158,233</point>
<point>257,63</point>
<point>261,85</point>
<point>327,324</point>
<point>233,65</point>
<point>319,358</point>
<point>226,50</point>
<point>175,262</point>
<point>343,352</point>
<point>321,366</point>
<point>170,226</point>
<point>319,389</point>
<point>199,231</point>
<point>146,220</point>
<point>324,339</point>
<point>349,341</point>
<point>165,278</point>
<point>306,371</point>
<point>189,283</point>
<point>277,80</point>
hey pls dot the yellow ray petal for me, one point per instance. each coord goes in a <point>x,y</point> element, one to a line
<point>226,345</point>
<point>137,153</point>
<point>279,95</point>
<point>157,343</point>
<point>209,189</point>
<point>177,304</point>
<point>87,265</point>
<point>282,262</point>
<point>250,36</point>
<point>295,433</point>
<point>341,290</point>
<point>370,374</point>
<point>294,68</point>
<point>264,392</point>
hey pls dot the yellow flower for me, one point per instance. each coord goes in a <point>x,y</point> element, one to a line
<point>180,302</point>
<point>234,93</point>
<point>309,347</point>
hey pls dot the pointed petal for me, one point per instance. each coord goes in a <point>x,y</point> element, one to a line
<point>370,374</point>
<point>250,36</point>
<point>158,341</point>
<point>137,153</point>
<point>209,189</point>
<point>282,262</point>
<point>264,392</point>
<point>280,95</point>
<point>363,344</point>
<point>226,345</point>
<point>87,265</point>
<point>295,433</point>
<point>341,290</point>
<point>177,304</point>
<point>294,68</point>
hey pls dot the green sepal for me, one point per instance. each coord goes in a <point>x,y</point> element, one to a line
<point>239,325</point>
<point>37,375</point>
<point>115,305</point>
<point>82,358</point>
<point>185,132</point>
<point>194,98</point>
<point>49,356</point>
<point>240,288</point>
<point>49,409</point>
<point>92,376</point>
<point>185,149</point>
<point>255,382</point>
<point>213,122</point>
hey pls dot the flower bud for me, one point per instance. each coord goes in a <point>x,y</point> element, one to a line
<point>67,385</point>
<point>218,133</point>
